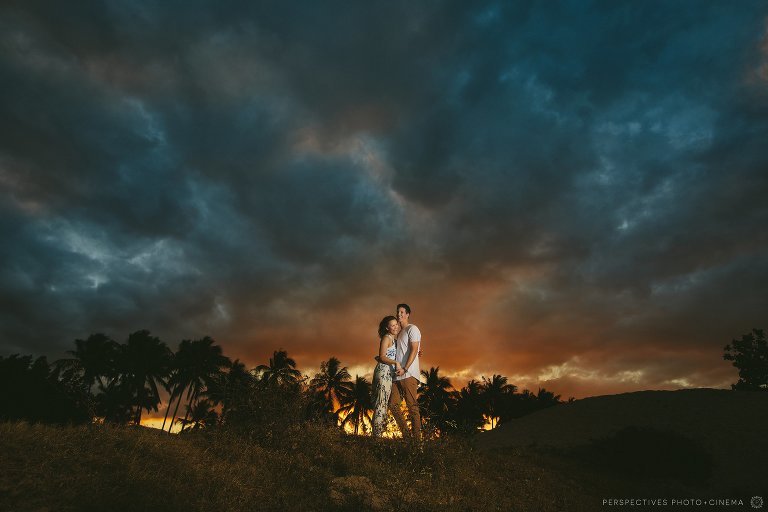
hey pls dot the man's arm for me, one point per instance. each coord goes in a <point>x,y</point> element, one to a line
<point>411,355</point>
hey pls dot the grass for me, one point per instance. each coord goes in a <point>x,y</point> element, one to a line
<point>637,452</point>
<point>307,468</point>
<point>100,467</point>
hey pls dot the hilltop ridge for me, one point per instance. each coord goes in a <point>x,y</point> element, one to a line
<point>728,426</point>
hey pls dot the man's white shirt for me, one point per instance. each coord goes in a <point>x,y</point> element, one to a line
<point>407,336</point>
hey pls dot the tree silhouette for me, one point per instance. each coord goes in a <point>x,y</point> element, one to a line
<point>280,372</point>
<point>127,376</point>
<point>201,415</point>
<point>329,387</point>
<point>30,390</point>
<point>517,405</point>
<point>197,365</point>
<point>496,396</point>
<point>750,355</point>
<point>94,361</point>
<point>470,407</point>
<point>547,398</point>
<point>144,362</point>
<point>115,403</point>
<point>522,404</point>
<point>437,400</point>
<point>99,360</point>
<point>272,398</point>
<point>357,406</point>
<point>231,389</point>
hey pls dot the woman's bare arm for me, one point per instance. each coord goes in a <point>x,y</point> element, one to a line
<point>383,346</point>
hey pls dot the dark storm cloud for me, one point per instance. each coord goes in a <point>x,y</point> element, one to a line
<point>583,176</point>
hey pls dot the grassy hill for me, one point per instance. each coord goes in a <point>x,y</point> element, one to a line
<point>711,439</point>
<point>538,463</point>
<point>98,468</point>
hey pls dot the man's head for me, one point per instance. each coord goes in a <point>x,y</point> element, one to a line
<point>403,313</point>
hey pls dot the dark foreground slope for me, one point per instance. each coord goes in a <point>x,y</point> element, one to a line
<point>687,444</point>
<point>309,468</point>
<point>715,440</point>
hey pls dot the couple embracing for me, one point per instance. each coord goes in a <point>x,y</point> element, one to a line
<point>396,376</point>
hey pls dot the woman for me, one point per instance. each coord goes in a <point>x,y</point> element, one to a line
<point>382,374</point>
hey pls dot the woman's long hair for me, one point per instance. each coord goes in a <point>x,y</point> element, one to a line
<point>383,325</point>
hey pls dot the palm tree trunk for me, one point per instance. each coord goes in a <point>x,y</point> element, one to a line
<point>184,423</point>
<point>167,410</point>
<point>137,415</point>
<point>189,408</point>
<point>176,410</point>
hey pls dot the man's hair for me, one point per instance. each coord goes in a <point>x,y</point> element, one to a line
<point>406,307</point>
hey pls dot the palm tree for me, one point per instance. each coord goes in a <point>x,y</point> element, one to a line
<point>31,390</point>
<point>198,364</point>
<point>93,361</point>
<point>469,407</point>
<point>174,385</point>
<point>115,403</point>
<point>357,406</point>
<point>496,393</point>
<point>330,385</point>
<point>280,372</point>
<point>547,398</point>
<point>437,399</point>
<point>201,415</point>
<point>144,362</point>
<point>231,389</point>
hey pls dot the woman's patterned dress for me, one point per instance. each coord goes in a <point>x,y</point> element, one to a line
<point>382,387</point>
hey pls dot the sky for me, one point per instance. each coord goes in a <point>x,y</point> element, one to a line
<point>569,194</point>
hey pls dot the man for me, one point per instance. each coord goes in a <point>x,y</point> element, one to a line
<point>407,378</point>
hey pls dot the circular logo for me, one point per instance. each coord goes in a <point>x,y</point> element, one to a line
<point>756,502</point>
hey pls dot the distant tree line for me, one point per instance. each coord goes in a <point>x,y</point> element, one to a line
<point>115,382</point>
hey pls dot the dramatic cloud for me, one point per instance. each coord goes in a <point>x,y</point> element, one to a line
<point>571,194</point>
